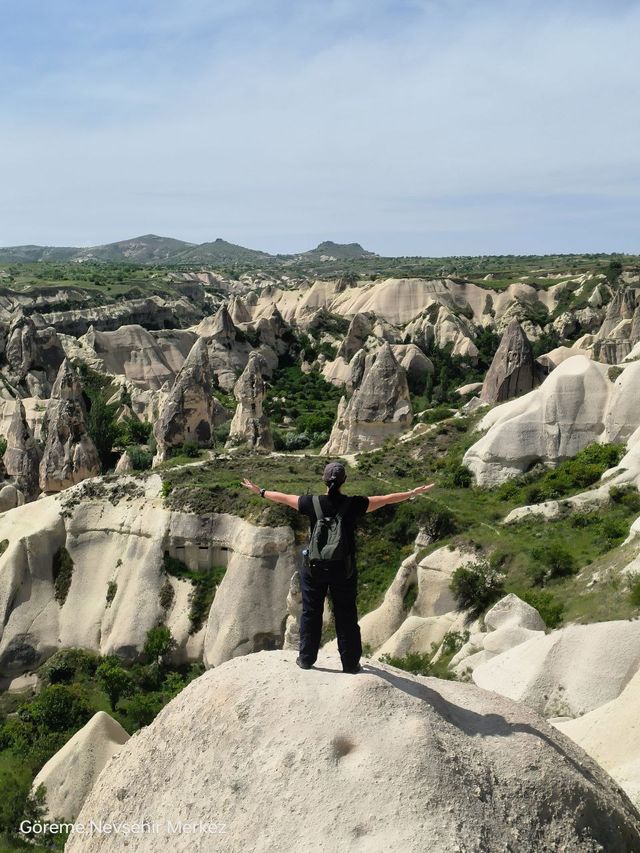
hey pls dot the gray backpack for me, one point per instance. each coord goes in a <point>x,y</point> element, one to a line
<point>329,547</point>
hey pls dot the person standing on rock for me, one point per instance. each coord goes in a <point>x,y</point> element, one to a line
<point>329,564</point>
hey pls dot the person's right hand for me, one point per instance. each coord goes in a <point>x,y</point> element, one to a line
<point>420,490</point>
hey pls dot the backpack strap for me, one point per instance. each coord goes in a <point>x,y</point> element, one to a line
<point>317,508</point>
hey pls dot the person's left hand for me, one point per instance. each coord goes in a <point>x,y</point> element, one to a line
<point>251,486</point>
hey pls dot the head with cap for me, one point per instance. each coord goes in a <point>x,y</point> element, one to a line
<point>334,476</point>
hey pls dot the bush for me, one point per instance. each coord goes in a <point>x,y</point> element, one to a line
<point>62,571</point>
<point>456,476</point>
<point>131,432</point>
<point>414,662</point>
<point>141,459</point>
<point>190,449</point>
<point>143,708</point>
<point>3,445</point>
<point>550,609</point>
<point>159,644</point>
<point>552,561</point>
<point>627,496</point>
<point>67,665</point>
<point>476,586</point>
<point>634,589</point>
<point>167,594</point>
<point>57,708</point>
<point>115,680</point>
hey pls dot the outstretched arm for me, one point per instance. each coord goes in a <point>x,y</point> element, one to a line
<point>379,501</point>
<point>278,497</point>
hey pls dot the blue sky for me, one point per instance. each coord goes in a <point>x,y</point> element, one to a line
<point>429,127</point>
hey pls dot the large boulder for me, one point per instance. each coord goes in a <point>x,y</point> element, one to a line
<point>22,457</point>
<point>190,411</point>
<point>69,455</point>
<point>381,761</point>
<point>610,734</point>
<point>620,330</point>
<point>69,775</point>
<point>569,672</point>
<point>249,426</point>
<point>513,369</point>
<point>380,405</point>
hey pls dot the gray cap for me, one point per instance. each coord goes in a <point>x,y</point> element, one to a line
<point>334,472</point>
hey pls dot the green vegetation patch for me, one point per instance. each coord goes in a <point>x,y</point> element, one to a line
<point>205,584</point>
<point>62,572</point>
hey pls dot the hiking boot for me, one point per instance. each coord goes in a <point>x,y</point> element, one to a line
<point>353,670</point>
<point>302,664</point>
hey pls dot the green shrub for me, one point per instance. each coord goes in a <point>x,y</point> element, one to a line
<point>62,571</point>
<point>3,445</point>
<point>141,459</point>
<point>132,431</point>
<point>114,680</point>
<point>112,588</point>
<point>3,546</point>
<point>634,589</point>
<point>143,708</point>
<point>159,644</point>
<point>68,665</point>
<point>167,594</point>
<point>550,609</point>
<point>456,476</point>
<point>552,561</point>
<point>627,496</point>
<point>414,662</point>
<point>438,413</point>
<point>476,586</point>
<point>57,708</point>
<point>190,449</point>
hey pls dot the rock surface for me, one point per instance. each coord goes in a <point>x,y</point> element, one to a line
<point>22,457</point>
<point>379,407</point>
<point>569,672</point>
<point>190,411</point>
<point>513,370</point>
<point>119,532</point>
<point>70,774</point>
<point>421,763</point>
<point>69,455</point>
<point>249,426</point>
<point>580,402</point>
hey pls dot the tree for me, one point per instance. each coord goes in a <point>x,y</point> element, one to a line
<point>115,680</point>
<point>159,644</point>
<point>476,587</point>
<point>613,271</point>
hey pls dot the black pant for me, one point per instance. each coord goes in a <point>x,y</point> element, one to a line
<point>343,595</point>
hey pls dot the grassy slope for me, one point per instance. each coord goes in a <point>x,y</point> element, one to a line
<point>386,537</point>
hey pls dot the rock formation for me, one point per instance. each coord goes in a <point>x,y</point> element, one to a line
<point>610,735</point>
<point>249,426</point>
<point>580,402</point>
<point>32,356</point>
<point>507,624</point>
<point>118,531</point>
<point>190,411</point>
<point>360,327</point>
<point>70,774</point>
<point>228,348</point>
<point>620,330</point>
<point>69,454</point>
<point>569,672</point>
<point>148,359</point>
<point>22,457</point>
<point>21,347</point>
<point>434,748</point>
<point>379,406</point>
<point>513,369</point>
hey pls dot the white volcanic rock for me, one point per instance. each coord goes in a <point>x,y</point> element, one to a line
<point>434,748</point>
<point>118,532</point>
<point>379,407</point>
<point>414,361</point>
<point>249,426</point>
<point>69,455</point>
<point>611,736</point>
<point>70,774</point>
<point>576,405</point>
<point>148,359</point>
<point>513,370</point>
<point>22,457</point>
<point>507,624</point>
<point>550,360</point>
<point>569,672</point>
<point>190,411</point>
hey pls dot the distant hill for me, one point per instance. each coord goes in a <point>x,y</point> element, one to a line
<point>220,251</point>
<point>151,249</point>
<point>142,250</point>
<point>339,251</point>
